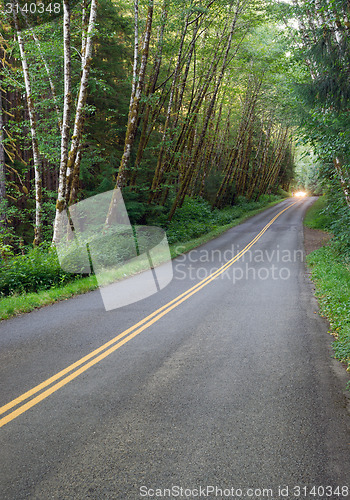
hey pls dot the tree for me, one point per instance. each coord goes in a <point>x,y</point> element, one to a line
<point>2,169</point>
<point>324,32</point>
<point>33,130</point>
<point>70,161</point>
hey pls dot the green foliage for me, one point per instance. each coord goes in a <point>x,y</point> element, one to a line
<point>307,171</point>
<point>108,101</point>
<point>38,270</point>
<point>319,53</point>
<point>256,51</point>
<point>190,221</point>
<point>316,216</point>
<point>329,271</point>
<point>330,213</point>
<point>6,250</point>
<point>339,214</point>
<point>17,304</point>
<point>332,278</point>
<point>196,217</point>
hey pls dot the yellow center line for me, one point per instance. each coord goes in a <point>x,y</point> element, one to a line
<point>117,341</point>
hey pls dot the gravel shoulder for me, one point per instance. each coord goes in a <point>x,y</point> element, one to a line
<point>315,239</point>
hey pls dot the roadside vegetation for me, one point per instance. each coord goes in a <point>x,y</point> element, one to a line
<point>331,273</point>
<point>35,279</point>
<point>183,106</point>
<point>194,109</point>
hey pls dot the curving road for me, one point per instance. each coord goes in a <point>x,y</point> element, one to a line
<point>222,385</point>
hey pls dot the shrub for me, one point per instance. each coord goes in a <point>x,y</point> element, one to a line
<point>38,270</point>
<point>196,217</point>
<point>332,278</point>
<point>338,221</point>
<point>193,219</point>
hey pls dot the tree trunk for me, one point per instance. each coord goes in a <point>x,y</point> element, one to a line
<point>33,130</point>
<point>3,200</point>
<point>73,163</point>
<point>67,105</point>
<point>173,159</point>
<point>235,159</point>
<point>158,171</point>
<point>136,53</point>
<point>145,133</point>
<point>134,113</point>
<point>47,69</point>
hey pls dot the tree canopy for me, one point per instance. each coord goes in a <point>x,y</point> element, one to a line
<point>166,100</point>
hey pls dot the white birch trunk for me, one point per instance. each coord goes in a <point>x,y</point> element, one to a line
<point>84,24</point>
<point>133,115</point>
<point>33,130</point>
<point>79,114</point>
<point>76,168</point>
<point>61,195</point>
<point>47,69</point>
<point>136,54</point>
<point>3,200</point>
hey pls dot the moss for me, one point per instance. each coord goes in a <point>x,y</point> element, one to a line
<point>60,205</point>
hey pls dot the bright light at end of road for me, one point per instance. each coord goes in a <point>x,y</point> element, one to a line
<point>300,194</point>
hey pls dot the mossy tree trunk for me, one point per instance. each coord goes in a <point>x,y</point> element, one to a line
<point>73,163</point>
<point>134,109</point>
<point>3,201</point>
<point>34,135</point>
<point>67,106</point>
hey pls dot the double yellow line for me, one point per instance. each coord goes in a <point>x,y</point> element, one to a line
<point>62,378</point>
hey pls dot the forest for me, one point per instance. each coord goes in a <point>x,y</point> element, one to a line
<point>195,109</point>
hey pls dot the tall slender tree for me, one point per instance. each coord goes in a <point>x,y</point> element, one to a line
<point>33,130</point>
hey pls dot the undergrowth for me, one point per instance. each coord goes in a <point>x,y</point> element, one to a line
<point>331,275</point>
<point>36,278</point>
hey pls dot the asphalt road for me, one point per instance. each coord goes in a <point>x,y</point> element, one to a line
<point>232,386</point>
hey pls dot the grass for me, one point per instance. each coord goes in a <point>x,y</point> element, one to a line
<point>332,279</point>
<point>315,217</point>
<point>25,302</point>
<point>331,276</point>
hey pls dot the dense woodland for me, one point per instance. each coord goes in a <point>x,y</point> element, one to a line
<point>171,101</point>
